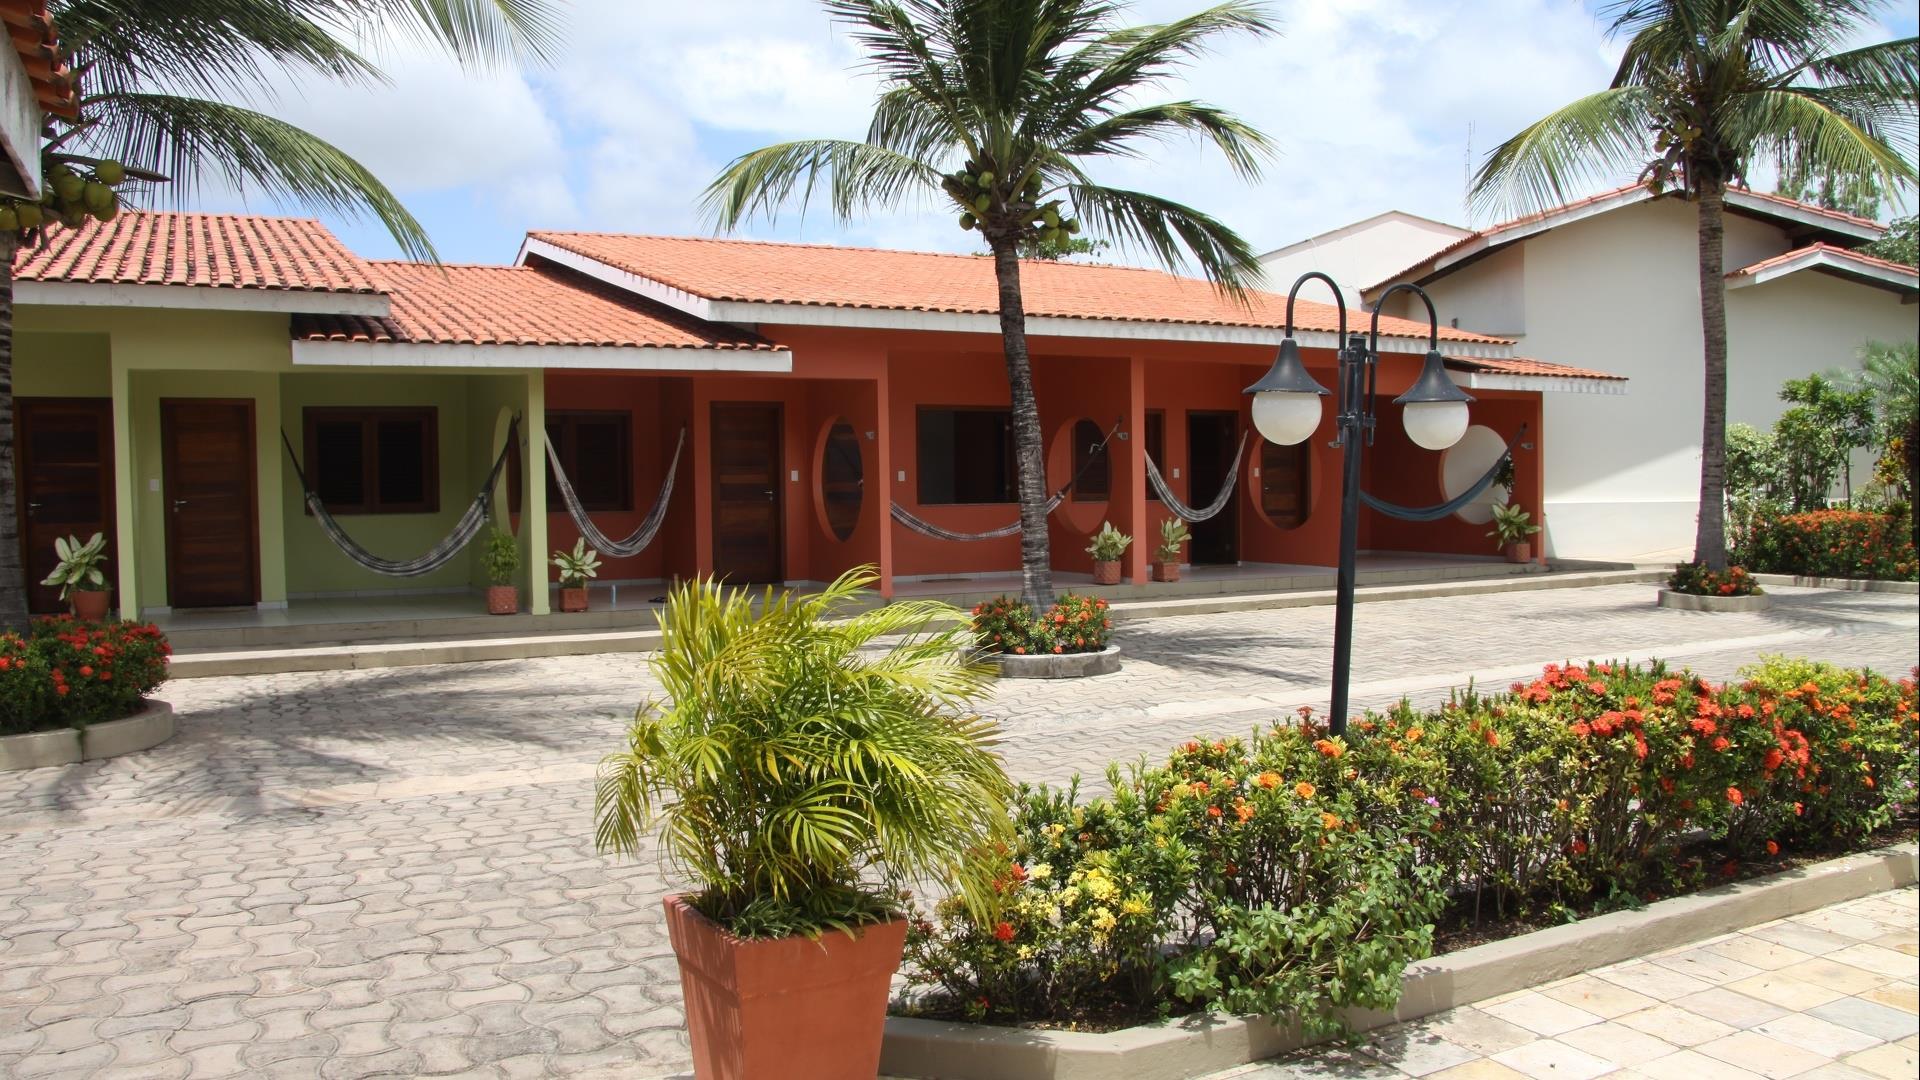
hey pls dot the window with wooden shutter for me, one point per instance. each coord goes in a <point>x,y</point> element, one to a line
<point>596,450</point>
<point>368,460</point>
<point>966,456</point>
<point>1092,471</point>
<point>1286,473</point>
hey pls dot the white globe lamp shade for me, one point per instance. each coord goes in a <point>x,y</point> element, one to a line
<point>1286,418</point>
<point>1435,425</point>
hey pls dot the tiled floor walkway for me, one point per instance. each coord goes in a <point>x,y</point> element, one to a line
<point>1829,994</point>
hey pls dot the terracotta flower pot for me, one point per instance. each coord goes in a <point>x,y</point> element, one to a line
<point>1106,573</point>
<point>789,1007</point>
<point>1520,551</point>
<point>1166,571</point>
<point>503,600</point>
<point>89,605</point>
<point>573,599</point>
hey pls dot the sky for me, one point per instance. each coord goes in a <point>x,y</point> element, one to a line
<point>1374,105</point>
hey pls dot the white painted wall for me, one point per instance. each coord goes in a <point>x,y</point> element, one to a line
<point>1359,254</point>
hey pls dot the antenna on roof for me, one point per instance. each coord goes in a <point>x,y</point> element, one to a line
<point>1466,179</point>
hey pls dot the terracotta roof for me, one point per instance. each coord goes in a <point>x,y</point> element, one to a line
<point>221,251</point>
<point>34,38</point>
<point>517,305</point>
<point>1520,365</point>
<point>1816,252</point>
<point>812,275</point>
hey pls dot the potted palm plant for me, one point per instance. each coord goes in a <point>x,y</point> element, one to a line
<point>798,778</point>
<point>82,585</point>
<point>1166,557</point>
<point>1511,529</point>
<point>576,567</point>
<point>502,561</point>
<point>1108,545</point>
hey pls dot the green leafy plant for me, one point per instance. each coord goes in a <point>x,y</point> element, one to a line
<point>502,557</point>
<point>1173,535</point>
<point>1511,525</point>
<point>68,674</point>
<point>79,566</point>
<point>1109,543</point>
<point>797,774</point>
<point>1074,624</point>
<point>1697,579</point>
<point>578,566</point>
<point>1830,543</point>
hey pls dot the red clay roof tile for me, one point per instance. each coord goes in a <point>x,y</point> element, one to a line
<point>222,251</point>
<point>1520,365</point>
<point>815,275</point>
<point>517,305</point>
<point>1818,248</point>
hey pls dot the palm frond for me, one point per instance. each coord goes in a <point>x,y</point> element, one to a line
<point>1246,148</point>
<point>1597,137</point>
<point>1175,234</point>
<point>1793,125</point>
<point>220,48</point>
<point>855,176</point>
<point>495,33</point>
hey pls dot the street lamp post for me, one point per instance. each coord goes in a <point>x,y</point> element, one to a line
<point>1286,410</point>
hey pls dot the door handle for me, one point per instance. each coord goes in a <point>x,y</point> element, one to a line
<point>32,506</point>
<point>769,494</point>
<point>177,504</point>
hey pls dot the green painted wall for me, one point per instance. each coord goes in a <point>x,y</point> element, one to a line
<point>62,364</point>
<point>490,400</point>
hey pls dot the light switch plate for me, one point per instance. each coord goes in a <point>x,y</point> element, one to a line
<point>153,485</point>
<point>903,476</point>
<point>1176,474</point>
<point>793,475</point>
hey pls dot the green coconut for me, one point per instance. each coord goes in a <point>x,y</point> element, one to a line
<point>9,220</point>
<point>967,221</point>
<point>110,172</point>
<point>30,214</point>
<point>983,203</point>
<point>97,196</point>
<point>66,184</point>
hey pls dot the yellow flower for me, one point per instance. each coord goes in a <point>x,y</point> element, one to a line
<point>1103,920</point>
<point>1134,905</point>
<point>1039,872</point>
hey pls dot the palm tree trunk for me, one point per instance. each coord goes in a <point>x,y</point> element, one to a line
<point>1036,558</point>
<point>1710,541</point>
<point>13,575</point>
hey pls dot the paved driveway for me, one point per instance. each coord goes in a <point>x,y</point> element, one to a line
<point>390,872</point>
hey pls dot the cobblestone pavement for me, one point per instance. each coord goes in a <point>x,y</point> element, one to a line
<point>390,872</point>
<point>1829,995</point>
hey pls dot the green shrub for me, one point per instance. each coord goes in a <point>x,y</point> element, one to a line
<point>68,673</point>
<point>1074,624</point>
<point>1697,580</point>
<point>1831,543</point>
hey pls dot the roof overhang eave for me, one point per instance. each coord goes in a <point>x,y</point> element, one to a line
<point>1541,384</point>
<point>385,354</point>
<point>201,298</point>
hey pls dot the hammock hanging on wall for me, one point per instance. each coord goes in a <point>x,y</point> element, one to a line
<point>1453,505</point>
<point>1182,510</point>
<point>464,530</point>
<point>634,542</point>
<point>927,528</point>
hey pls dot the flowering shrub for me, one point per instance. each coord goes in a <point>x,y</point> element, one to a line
<point>1831,543</point>
<point>70,674</point>
<point>1074,624</point>
<point>1698,580</point>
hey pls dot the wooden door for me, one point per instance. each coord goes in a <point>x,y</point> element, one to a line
<point>207,449</point>
<point>1212,439</point>
<point>65,453</point>
<point>746,492</point>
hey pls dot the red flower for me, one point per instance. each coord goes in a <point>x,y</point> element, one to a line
<point>1773,847</point>
<point>1003,931</point>
<point>1734,797</point>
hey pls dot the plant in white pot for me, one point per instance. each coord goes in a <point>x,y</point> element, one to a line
<point>78,575</point>
<point>502,561</point>
<point>1511,528</point>
<point>1108,545</point>
<point>798,778</point>
<point>576,567</point>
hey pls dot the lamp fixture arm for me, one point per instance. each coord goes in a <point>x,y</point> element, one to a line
<point>1339,300</point>
<point>1433,317</point>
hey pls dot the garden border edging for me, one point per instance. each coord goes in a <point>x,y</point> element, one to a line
<point>1194,1046</point>
<point>1081,665</point>
<point>1909,588</point>
<point>1679,601</point>
<point>146,729</point>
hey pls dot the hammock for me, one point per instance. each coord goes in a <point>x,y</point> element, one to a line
<point>634,542</point>
<point>928,528</point>
<point>1182,510</point>
<point>464,530</point>
<point>1451,506</point>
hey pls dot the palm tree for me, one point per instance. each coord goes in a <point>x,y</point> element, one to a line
<point>1706,90</point>
<point>1892,372</point>
<point>157,78</point>
<point>997,108</point>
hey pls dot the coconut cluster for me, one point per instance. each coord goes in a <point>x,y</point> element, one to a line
<point>986,199</point>
<point>71,197</point>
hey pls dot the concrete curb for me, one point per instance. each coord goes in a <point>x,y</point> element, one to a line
<point>148,728</point>
<point>1910,588</point>
<point>1680,601</point>
<point>1064,666</point>
<point>1216,605</point>
<point>1195,1046</point>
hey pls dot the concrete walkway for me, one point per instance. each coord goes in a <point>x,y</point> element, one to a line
<point>391,872</point>
<point>1829,995</point>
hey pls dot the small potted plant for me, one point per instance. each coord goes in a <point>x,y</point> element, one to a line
<point>82,585</point>
<point>503,560</point>
<point>1166,557</point>
<point>576,568</point>
<point>798,773</point>
<point>1511,529</point>
<point>1109,544</point>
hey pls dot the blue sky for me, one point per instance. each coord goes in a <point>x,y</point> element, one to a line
<point>1374,104</point>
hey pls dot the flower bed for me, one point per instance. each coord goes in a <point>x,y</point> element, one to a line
<point>1831,544</point>
<point>1291,874</point>
<point>69,674</point>
<point>1074,624</point>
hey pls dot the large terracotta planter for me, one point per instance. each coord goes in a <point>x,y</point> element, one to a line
<point>573,599</point>
<point>1520,551</point>
<point>503,600</point>
<point>89,605</point>
<point>788,1007</point>
<point>1106,573</point>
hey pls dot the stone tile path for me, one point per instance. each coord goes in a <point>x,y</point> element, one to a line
<point>1830,995</point>
<point>391,872</point>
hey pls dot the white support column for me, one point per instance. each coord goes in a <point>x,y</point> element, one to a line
<point>533,433</point>
<point>126,490</point>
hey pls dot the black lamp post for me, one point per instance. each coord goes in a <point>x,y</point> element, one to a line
<point>1286,410</point>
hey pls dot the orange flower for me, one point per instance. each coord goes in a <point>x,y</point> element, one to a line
<point>1268,780</point>
<point>1329,749</point>
<point>1303,789</point>
<point>1773,847</point>
<point>1213,811</point>
<point>1329,822</point>
<point>1243,811</point>
<point>1003,931</point>
<point>1492,737</point>
<point>1734,796</point>
<point>1414,734</point>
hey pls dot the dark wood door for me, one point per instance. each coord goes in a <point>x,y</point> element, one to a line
<point>746,492</point>
<point>65,454</point>
<point>1212,439</point>
<point>207,451</point>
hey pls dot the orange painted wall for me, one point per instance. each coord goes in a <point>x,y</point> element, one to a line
<point>652,447</point>
<point>1403,473</point>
